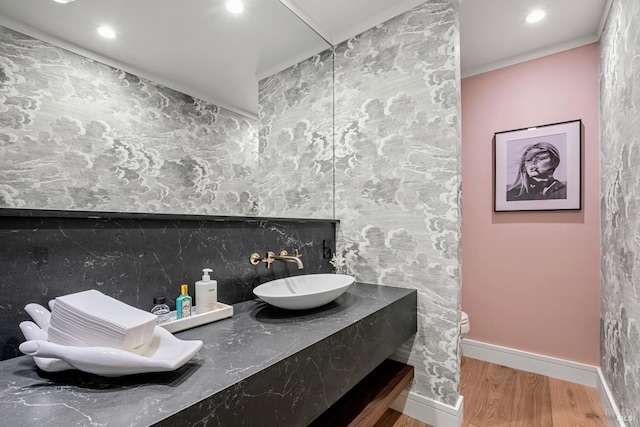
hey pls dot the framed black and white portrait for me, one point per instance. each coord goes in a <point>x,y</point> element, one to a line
<point>538,168</point>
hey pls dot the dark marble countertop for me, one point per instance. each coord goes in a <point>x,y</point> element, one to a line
<point>252,361</point>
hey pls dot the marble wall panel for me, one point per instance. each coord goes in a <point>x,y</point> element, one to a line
<point>620,204</point>
<point>398,176</point>
<point>295,175</point>
<point>136,258</point>
<point>77,134</point>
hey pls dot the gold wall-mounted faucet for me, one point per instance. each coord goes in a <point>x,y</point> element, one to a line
<point>256,259</point>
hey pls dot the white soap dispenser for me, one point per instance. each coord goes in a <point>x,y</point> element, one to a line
<point>206,293</point>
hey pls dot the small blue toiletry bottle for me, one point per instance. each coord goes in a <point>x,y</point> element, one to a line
<point>183,303</point>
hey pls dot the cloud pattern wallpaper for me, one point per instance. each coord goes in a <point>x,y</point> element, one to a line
<point>79,135</point>
<point>620,205</point>
<point>295,109</point>
<point>398,176</point>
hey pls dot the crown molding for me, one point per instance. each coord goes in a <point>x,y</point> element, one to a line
<point>571,44</point>
<point>604,17</point>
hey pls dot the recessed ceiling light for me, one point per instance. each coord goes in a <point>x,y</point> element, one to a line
<point>535,16</point>
<point>235,6</point>
<point>63,1</point>
<point>106,32</point>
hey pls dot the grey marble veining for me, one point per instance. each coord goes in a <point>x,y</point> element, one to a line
<point>620,216</point>
<point>134,258</point>
<point>398,176</point>
<point>261,367</point>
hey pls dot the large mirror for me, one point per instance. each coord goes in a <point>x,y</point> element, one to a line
<point>190,109</point>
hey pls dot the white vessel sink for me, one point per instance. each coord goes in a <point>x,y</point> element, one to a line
<point>304,292</point>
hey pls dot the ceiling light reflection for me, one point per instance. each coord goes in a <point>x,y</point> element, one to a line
<point>535,16</point>
<point>106,32</point>
<point>235,6</point>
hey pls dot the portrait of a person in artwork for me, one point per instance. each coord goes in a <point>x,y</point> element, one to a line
<point>535,179</point>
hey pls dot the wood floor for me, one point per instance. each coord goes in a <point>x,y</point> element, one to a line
<point>496,396</point>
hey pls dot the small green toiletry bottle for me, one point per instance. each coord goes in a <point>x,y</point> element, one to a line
<point>183,303</point>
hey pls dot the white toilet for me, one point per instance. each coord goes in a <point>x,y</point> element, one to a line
<point>464,324</point>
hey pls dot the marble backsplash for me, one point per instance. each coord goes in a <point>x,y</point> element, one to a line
<point>136,257</point>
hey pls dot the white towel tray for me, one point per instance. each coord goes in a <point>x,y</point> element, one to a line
<point>176,325</point>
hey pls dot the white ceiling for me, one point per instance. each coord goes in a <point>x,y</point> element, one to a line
<point>493,33</point>
<point>198,48</point>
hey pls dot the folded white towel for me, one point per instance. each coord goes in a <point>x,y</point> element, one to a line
<point>91,318</point>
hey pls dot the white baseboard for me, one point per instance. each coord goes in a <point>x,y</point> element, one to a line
<point>429,411</point>
<point>531,362</point>
<point>566,370</point>
<point>609,406</point>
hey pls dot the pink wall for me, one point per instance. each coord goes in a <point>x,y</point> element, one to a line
<point>531,280</point>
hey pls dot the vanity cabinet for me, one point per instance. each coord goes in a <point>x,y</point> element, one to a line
<point>261,367</point>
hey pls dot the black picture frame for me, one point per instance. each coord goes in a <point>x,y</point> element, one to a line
<point>538,168</point>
